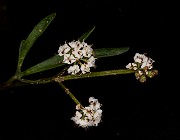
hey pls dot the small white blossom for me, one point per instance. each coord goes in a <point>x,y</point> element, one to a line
<point>85,68</point>
<point>128,66</point>
<point>73,69</point>
<point>88,116</point>
<point>87,51</point>
<point>77,54</point>
<point>64,49</point>
<point>69,59</point>
<point>147,63</point>
<point>138,57</point>
<point>132,66</point>
<point>92,100</point>
<point>91,61</point>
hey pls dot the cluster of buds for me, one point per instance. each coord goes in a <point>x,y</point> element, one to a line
<point>143,67</point>
<point>79,54</point>
<point>88,116</point>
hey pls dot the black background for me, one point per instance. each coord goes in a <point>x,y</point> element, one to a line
<point>131,110</point>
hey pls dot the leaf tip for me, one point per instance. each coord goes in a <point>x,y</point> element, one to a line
<point>93,28</point>
<point>53,15</point>
<point>128,48</point>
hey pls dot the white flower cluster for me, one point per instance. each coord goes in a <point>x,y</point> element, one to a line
<point>80,54</point>
<point>88,116</point>
<point>141,61</point>
<point>143,66</point>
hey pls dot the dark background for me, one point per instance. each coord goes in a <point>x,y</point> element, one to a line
<point>131,110</point>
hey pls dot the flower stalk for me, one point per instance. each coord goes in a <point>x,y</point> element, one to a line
<point>68,92</point>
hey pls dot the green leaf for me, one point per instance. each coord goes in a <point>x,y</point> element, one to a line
<point>86,35</point>
<point>107,52</point>
<point>53,62</point>
<point>32,37</point>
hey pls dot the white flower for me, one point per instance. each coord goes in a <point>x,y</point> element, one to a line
<point>139,58</point>
<point>132,66</point>
<point>87,51</point>
<point>92,100</point>
<point>77,54</point>
<point>90,115</point>
<point>63,49</point>
<point>91,61</point>
<point>147,63</point>
<point>128,66</point>
<point>73,69</point>
<point>69,59</point>
<point>85,68</point>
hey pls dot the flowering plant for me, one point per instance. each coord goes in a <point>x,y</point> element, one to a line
<point>76,58</point>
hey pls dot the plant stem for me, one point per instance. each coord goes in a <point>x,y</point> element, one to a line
<point>69,93</point>
<point>12,85</point>
<point>9,83</point>
<point>10,80</point>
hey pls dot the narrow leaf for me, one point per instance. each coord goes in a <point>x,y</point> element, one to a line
<point>86,35</point>
<point>19,64</point>
<point>52,62</point>
<point>32,37</point>
<point>106,52</point>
